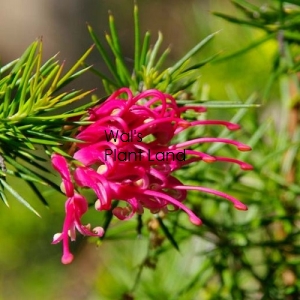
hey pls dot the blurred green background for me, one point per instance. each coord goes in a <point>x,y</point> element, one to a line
<point>30,266</point>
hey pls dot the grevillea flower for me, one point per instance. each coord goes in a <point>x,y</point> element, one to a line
<point>76,205</point>
<point>128,154</point>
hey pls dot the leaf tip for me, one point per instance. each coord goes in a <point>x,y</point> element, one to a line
<point>110,16</point>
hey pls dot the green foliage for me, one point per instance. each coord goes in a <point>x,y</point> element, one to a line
<point>252,255</point>
<point>147,72</point>
<point>234,255</point>
<point>31,118</point>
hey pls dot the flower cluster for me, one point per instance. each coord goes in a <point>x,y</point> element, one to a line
<point>127,154</point>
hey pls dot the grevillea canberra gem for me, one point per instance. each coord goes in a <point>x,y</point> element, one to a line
<point>127,154</point>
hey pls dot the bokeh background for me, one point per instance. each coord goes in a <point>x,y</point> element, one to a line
<point>30,266</point>
<point>62,25</point>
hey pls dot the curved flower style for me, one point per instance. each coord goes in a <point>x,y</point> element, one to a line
<point>127,154</point>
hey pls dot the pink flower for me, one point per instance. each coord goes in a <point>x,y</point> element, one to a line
<point>76,205</point>
<point>127,154</point>
<point>60,164</point>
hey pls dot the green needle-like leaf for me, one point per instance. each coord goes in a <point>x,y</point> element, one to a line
<point>246,49</point>
<point>154,52</point>
<point>104,54</point>
<point>2,194</point>
<point>145,47</point>
<point>246,6</point>
<point>114,34</point>
<point>162,59</point>
<point>7,67</point>
<point>167,233</point>
<point>38,193</point>
<point>18,196</point>
<point>238,21</point>
<point>192,52</point>
<point>63,80</point>
<point>136,39</point>
<point>121,67</point>
<point>32,59</point>
<point>23,58</point>
<point>38,68</point>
